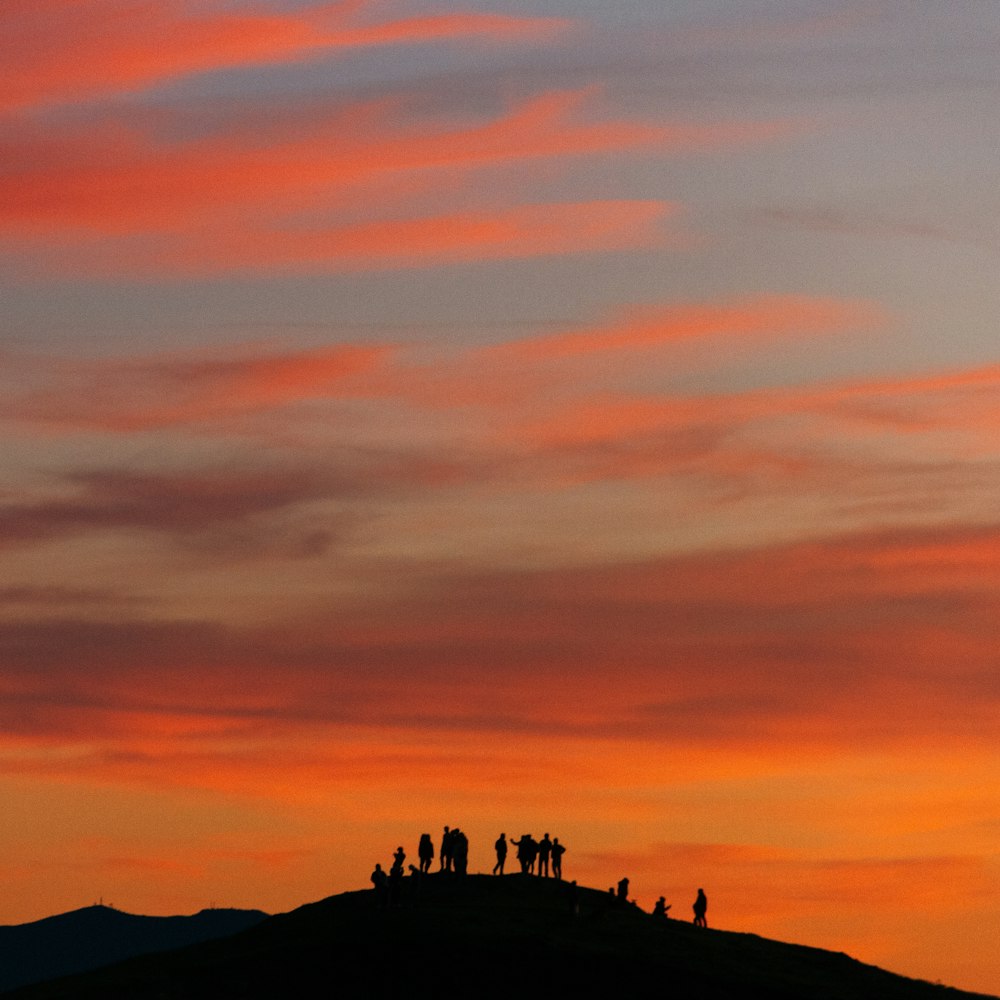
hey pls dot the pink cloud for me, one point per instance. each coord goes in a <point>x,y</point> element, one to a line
<point>113,179</point>
<point>964,400</point>
<point>126,394</point>
<point>758,319</point>
<point>114,197</point>
<point>523,231</point>
<point>59,51</point>
<point>788,646</point>
<point>811,430</point>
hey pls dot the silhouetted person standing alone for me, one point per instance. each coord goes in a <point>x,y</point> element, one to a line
<point>445,854</point>
<point>623,890</point>
<point>459,852</point>
<point>381,883</point>
<point>699,907</point>
<point>557,852</point>
<point>544,850</point>
<point>501,849</point>
<point>425,851</point>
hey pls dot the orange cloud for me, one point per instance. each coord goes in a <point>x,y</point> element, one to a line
<point>113,179</point>
<point>830,707</point>
<point>519,232</point>
<point>143,392</point>
<point>799,646</point>
<point>791,435</point>
<point>761,318</point>
<point>940,401</point>
<point>57,51</point>
<point>128,394</point>
<point>523,422</point>
<point>113,197</point>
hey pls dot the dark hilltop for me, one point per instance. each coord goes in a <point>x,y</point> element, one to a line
<point>99,935</point>
<point>516,937</point>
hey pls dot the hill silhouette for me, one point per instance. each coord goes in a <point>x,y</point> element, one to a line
<point>481,936</point>
<point>99,935</point>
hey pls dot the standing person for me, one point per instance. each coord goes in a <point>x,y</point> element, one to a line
<point>381,883</point>
<point>425,851</point>
<point>699,907</point>
<point>459,851</point>
<point>525,852</point>
<point>501,849</point>
<point>531,850</point>
<point>623,890</point>
<point>557,852</point>
<point>544,850</point>
<point>446,850</point>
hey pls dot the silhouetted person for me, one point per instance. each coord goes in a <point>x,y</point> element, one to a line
<point>425,851</point>
<point>544,850</point>
<point>397,861</point>
<point>446,850</point>
<point>557,852</point>
<point>532,852</point>
<point>699,907</point>
<point>623,889</point>
<point>459,851</point>
<point>381,883</point>
<point>526,850</point>
<point>661,907</point>
<point>501,849</point>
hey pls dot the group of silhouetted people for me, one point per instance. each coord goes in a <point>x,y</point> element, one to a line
<point>454,851</point>
<point>387,885</point>
<point>661,906</point>
<point>700,907</point>
<point>534,856</point>
<point>540,857</point>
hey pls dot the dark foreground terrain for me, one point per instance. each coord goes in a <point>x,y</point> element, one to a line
<point>515,937</point>
<point>99,935</point>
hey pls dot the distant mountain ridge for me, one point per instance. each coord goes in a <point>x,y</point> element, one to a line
<point>516,937</point>
<point>96,936</point>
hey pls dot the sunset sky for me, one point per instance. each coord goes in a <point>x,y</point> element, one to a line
<point>525,415</point>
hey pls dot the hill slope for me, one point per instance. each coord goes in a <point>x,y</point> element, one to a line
<point>98,935</point>
<point>515,937</point>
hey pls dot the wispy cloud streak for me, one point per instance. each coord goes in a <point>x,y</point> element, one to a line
<point>762,318</point>
<point>722,648</point>
<point>347,190</point>
<point>58,51</point>
<point>128,394</point>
